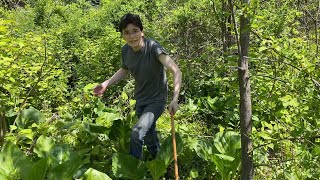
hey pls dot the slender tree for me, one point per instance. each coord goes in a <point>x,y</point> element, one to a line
<point>245,98</point>
<point>245,91</point>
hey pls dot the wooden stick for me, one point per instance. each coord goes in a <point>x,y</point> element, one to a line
<point>174,148</point>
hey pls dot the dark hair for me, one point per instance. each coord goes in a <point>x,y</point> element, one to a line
<point>130,19</point>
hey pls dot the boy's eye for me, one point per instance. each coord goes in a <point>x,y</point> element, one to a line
<point>134,32</point>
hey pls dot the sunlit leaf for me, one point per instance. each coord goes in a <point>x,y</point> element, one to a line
<point>126,166</point>
<point>92,174</point>
<point>157,168</point>
<point>29,116</point>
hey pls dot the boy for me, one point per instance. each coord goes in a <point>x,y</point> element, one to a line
<point>146,60</point>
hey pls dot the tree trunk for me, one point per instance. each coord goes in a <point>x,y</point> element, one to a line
<point>3,128</point>
<point>245,99</point>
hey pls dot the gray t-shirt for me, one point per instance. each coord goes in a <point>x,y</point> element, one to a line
<point>148,72</point>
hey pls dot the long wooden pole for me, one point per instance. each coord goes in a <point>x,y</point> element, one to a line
<point>176,173</point>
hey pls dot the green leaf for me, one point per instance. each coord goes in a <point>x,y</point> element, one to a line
<point>93,128</point>
<point>13,162</point>
<point>69,164</point>
<point>264,135</point>
<point>28,133</point>
<point>157,168</point>
<point>289,101</point>
<point>191,105</point>
<point>38,170</point>
<point>204,149</point>
<point>44,146</point>
<point>100,108</point>
<point>227,142</point>
<point>225,157</point>
<point>126,166</point>
<point>266,124</point>
<point>166,150</point>
<point>194,173</point>
<point>124,96</point>
<point>228,145</point>
<point>61,153</point>
<point>106,118</point>
<point>89,87</point>
<point>29,116</point>
<point>92,174</point>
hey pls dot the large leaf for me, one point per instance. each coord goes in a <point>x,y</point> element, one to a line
<point>44,146</point>
<point>93,128</point>
<point>61,153</point>
<point>126,166</point>
<point>13,162</point>
<point>38,170</point>
<point>227,160</point>
<point>203,148</point>
<point>120,131</point>
<point>166,150</point>
<point>67,169</point>
<point>227,142</point>
<point>29,116</point>
<point>157,168</point>
<point>92,174</point>
<point>106,118</point>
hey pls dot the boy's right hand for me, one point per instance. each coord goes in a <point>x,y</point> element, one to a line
<point>99,90</point>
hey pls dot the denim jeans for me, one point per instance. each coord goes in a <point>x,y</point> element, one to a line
<point>144,131</point>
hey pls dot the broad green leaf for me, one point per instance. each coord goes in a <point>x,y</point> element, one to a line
<point>266,124</point>
<point>93,128</point>
<point>227,142</point>
<point>191,106</point>
<point>38,170</point>
<point>264,135</point>
<point>166,150</point>
<point>106,119</point>
<point>132,102</point>
<point>289,101</point>
<point>89,87</point>
<point>194,173</point>
<point>157,168</point>
<point>224,157</point>
<point>69,166</point>
<point>124,96</point>
<point>13,162</point>
<point>126,166</point>
<point>92,174</point>
<point>44,146</point>
<point>29,116</point>
<point>28,133</point>
<point>100,108</point>
<point>204,149</point>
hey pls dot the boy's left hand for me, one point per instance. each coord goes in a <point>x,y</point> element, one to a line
<point>173,107</point>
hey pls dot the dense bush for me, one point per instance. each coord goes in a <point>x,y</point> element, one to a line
<point>53,52</point>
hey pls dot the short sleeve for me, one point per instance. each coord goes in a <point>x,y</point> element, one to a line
<point>123,65</point>
<point>158,49</point>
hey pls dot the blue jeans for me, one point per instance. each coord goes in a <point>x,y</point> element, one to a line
<point>144,131</point>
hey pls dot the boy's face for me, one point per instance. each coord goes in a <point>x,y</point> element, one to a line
<point>133,36</point>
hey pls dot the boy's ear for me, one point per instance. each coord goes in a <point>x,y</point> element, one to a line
<point>142,34</point>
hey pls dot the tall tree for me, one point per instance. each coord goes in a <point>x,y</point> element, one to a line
<point>245,91</point>
<point>245,97</point>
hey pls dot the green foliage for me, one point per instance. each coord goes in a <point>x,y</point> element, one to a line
<point>223,151</point>
<point>14,163</point>
<point>157,168</point>
<point>92,174</point>
<point>28,117</point>
<point>38,170</point>
<point>126,166</point>
<point>53,52</point>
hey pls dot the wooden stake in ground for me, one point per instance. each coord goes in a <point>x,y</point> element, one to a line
<point>176,174</point>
